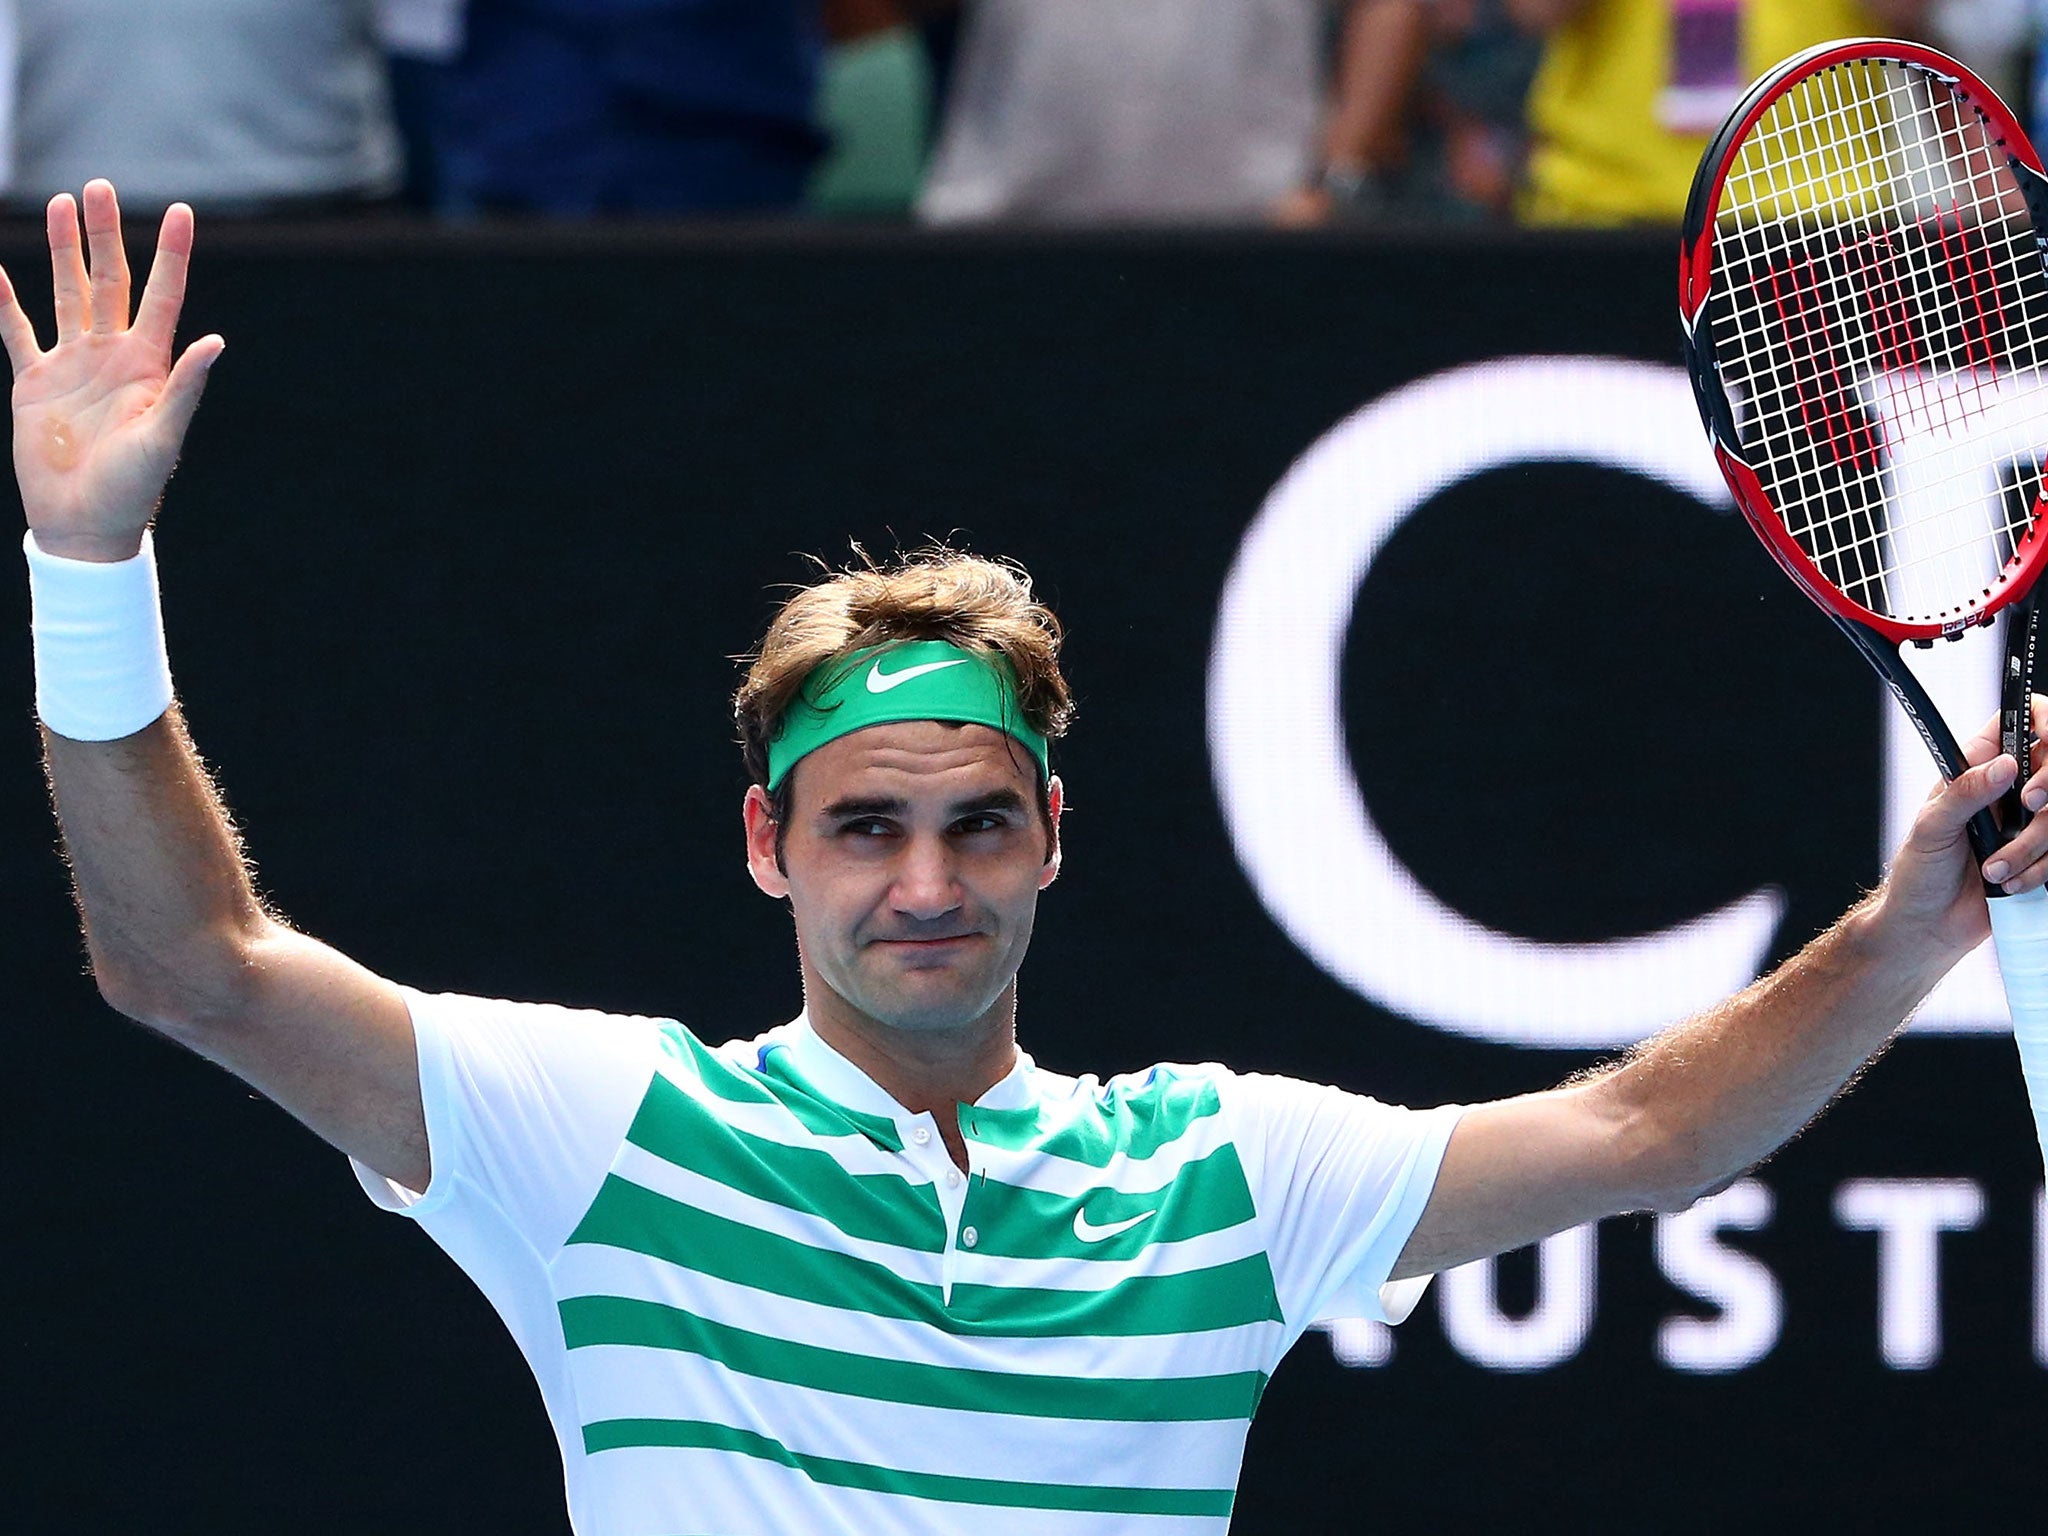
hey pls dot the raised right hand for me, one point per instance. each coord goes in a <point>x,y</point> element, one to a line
<point>100,416</point>
<point>1932,893</point>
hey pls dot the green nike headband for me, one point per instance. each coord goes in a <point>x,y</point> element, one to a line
<point>910,680</point>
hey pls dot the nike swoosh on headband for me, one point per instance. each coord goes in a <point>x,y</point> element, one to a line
<point>1088,1232</point>
<point>881,682</point>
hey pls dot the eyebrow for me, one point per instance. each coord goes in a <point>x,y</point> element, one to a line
<point>869,805</point>
<point>1005,799</point>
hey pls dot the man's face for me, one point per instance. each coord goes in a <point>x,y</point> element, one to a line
<point>912,861</point>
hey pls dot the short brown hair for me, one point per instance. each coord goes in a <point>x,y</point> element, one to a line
<point>935,593</point>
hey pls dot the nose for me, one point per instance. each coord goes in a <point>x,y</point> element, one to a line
<point>927,884</point>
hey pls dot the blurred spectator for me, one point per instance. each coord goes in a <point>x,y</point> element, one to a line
<point>10,61</point>
<point>938,27</point>
<point>1477,100</point>
<point>1990,36</point>
<point>240,106</point>
<point>1139,109</point>
<point>580,107</point>
<point>875,106</point>
<point>1629,91</point>
<point>419,38</point>
<point>421,29</point>
<point>1365,145</point>
<point>1427,124</point>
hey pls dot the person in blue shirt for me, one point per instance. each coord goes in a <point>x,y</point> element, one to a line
<point>583,108</point>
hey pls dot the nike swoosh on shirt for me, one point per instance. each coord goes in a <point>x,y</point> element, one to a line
<point>1088,1232</point>
<point>881,682</point>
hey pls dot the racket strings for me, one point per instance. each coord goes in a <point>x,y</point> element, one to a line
<point>1881,319</point>
<point>1803,306</point>
<point>1804,314</point>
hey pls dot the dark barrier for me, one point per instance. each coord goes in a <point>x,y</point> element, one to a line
<point>467,531</point>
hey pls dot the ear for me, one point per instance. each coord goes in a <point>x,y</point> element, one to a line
<point>762,863</point>
<point>1055,799</point>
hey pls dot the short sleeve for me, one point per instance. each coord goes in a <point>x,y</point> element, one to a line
<point>1340,1181</point>
<point>526,1105</point>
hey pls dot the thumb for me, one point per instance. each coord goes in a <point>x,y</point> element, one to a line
<point>1952,806</point>
<point>186,384</point>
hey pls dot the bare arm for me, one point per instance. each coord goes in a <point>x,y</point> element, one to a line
<point>1698,1105</point>
<point>1385,44</point>
<point>1380,56</point>
<point>177,937</point>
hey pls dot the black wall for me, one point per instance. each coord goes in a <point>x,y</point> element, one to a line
<point>468,529</point>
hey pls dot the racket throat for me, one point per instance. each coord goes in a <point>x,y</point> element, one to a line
<point>1986,838</point>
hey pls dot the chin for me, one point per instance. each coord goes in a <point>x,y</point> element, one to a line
<point>921,1017</point>
<point>935,1012</point>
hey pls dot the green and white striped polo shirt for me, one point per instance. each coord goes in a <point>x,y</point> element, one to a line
<point>760,1298</point>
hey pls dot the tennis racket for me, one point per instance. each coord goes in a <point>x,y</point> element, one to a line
<point>1865,306</point>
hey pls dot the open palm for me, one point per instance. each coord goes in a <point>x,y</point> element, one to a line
<point>99,417</point>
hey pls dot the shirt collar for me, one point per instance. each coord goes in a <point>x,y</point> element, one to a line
<point>844,1083</point>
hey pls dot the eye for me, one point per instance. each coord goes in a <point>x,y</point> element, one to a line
<point>982,821</point>
<point>866,826</point>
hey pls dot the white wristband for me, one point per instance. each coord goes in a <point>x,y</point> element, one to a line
<point>101,668</point>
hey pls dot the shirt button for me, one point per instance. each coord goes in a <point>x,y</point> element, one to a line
<point>969,1237</point>
<point>953,1179</point>
<point>921,1135</point>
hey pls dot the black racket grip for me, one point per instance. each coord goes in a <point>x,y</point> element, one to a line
<point>2016,707</point>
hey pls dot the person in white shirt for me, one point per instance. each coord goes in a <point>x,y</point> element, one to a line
<point>241,106</point>
<point>875,1269</point>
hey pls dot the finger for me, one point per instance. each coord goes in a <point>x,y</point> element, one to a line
<point>2038,716</point>
<point>156,317</point>
<point>2021,864</point>
<point>109,258</point>
<point>1986,741</point>
<point>186,384</point>
<point>1952,805</point>
<point>17,334</point>
<point>2034,793</point>
<point>2035,796</point>
<point>1989,738</point>
<point>67,267</point>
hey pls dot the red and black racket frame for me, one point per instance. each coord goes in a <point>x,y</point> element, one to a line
<point>1876,635</point>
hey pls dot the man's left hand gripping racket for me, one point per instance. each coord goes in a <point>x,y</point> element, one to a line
<point>1865,305</point>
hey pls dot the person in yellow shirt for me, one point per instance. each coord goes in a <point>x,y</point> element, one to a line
<point>1629,91</point>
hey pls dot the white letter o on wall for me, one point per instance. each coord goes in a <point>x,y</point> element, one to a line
<point>1276,731</point>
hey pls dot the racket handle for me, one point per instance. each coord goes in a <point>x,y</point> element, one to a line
<point>2019,932</point>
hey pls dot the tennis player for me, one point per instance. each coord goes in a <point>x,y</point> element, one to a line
<point>874,1270</point>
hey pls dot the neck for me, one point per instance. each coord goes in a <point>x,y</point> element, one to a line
<point>926,1071</point>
